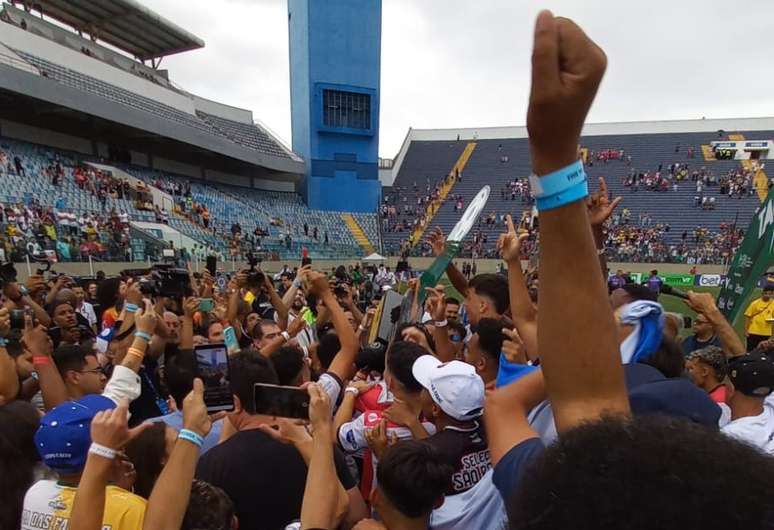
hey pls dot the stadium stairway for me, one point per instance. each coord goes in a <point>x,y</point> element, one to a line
<point>358,233</point>
<point>497,162</point>
<point>446,187</point>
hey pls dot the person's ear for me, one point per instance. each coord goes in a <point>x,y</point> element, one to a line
<point>436,411</point>
<point>481,364</point>
<point>72,377</point>
<point>234,523</point>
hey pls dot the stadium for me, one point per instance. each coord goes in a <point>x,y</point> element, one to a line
<point>103,107</point>
<point>205,325</point>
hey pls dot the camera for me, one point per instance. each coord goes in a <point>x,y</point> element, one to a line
<point>163,280</point>
<point>254,277</point>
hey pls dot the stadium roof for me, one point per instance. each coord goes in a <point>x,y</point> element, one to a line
<point>125,24</point>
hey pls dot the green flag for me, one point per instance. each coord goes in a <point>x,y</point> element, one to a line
<point>750,262</point>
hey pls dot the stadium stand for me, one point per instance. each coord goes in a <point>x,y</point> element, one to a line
<point>275,214</point>
<point>504,163</point>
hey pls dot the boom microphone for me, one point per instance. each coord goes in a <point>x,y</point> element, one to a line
<point>673,291</point>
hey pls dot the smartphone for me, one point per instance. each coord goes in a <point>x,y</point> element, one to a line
<point>212,265</point>
<point>308,316</point>
<point>306,261</point>
<point>281,401</point>
<point>232,344</point>
<point>17,318</point>
<point>213,369</point>
<point>206,305</point>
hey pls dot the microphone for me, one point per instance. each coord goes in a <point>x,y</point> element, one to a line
<point>673,291</point>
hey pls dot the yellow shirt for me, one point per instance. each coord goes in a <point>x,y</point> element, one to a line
<point>759,312</point>
<point>47,506</point>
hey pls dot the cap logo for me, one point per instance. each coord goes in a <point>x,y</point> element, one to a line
<point>436,395</point>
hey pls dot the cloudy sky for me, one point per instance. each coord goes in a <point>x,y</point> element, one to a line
<point>465,63</point>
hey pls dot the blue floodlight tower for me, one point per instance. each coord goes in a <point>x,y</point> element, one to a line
<point>335,64</point>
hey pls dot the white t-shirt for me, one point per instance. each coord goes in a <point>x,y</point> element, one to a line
<point>86,310</point>
<point>480,507</point>
<point>757,431</point>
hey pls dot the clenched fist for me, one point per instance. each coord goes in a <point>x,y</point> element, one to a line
<point>567,68</point>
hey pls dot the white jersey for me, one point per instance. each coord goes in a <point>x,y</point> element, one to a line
<point>757,431</point>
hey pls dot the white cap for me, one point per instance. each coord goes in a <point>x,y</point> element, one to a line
<point>454,386</point>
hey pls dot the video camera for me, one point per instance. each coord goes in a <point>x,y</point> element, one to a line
<point>254,276</point>
<point>162,280</point>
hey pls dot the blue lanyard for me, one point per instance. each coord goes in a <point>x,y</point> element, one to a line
<point>160,403</point>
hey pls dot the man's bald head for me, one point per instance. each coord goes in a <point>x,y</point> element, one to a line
<point>66,296</point>
<point>173,324</point>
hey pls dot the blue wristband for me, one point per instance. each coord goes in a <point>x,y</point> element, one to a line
<point>557,181</point>
<point>3,342</point>
<point>131,308</point>
<point>190,436</point>
<point>142,335</point>
<point>576,193</point>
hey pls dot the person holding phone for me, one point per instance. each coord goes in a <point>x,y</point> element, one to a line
<point>251,460</point>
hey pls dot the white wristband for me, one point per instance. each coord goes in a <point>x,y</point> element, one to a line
<point>352,390</point>
<point>101,450</point>
<point>285,335</point>
<point>441,323</point>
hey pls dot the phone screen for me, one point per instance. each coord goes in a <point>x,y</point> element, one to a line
<point>306,261</point>
<point>212,264</point>
<point>206,305</point>
<point>281,401</point>
<point>232,344</point>
<point>213,369</point>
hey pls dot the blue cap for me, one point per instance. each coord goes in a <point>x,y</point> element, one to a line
<point>64,437</point>
<point>652,393</point>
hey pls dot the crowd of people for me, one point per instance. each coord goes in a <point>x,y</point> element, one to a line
<point>539,401</point>
<point>647,242</point>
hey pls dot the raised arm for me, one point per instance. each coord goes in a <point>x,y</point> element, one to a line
<point>522,310</point>
<point>600,209</point>
<point>704,303</point>
<point>169,498</point>
<point>109,434</point>
<point>190,307</point>
<point>276,302</point>
<point>52,387</point>
<point>343,364</point>
<point>444,349</point>
<point>437,242</point>
<point>325,500</point>
<point>506,410</point>
<point>578,344</point>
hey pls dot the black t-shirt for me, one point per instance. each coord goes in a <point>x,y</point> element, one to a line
<point>467,451</point>
<point>263,477</point>
<point>152,398</point>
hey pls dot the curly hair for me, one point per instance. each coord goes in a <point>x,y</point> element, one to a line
<point>645,473</point>
<point>209,508</point>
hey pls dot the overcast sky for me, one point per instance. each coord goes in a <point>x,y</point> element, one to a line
<point>465,63</point>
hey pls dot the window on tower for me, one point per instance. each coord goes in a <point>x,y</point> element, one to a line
<point>346,110</point>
